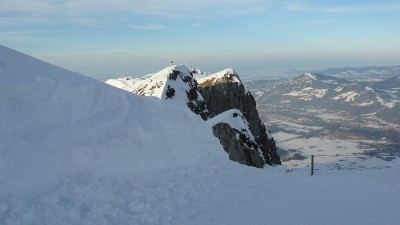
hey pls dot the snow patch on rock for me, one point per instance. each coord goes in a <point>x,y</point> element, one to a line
<point>389,104</point>
<point>225,76</point>
<point>366,103</point>
<point>235,119</point>
<point>338,89</point>
<point>347,96</point>
<point>308,93</point>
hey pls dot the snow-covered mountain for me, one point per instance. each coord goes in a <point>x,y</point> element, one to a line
<point>316,89</point>
<point>77,151</point>
<point>209,96</point>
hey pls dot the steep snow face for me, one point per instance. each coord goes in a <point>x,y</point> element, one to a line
<point>225,76</point>
<point>152,84</point>
<point>175,82</point>
<point>57,124</point>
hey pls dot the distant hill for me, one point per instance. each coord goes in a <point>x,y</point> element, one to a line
<point>331,93</point>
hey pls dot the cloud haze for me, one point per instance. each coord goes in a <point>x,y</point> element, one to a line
<point>99,37</point>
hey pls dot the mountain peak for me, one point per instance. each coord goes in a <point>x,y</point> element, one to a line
<point>175,82</point>
<point>216,94</point>
<point>310,76</point>
<point>225,76</point>
<point>153,84</point>
<point>315,78</point>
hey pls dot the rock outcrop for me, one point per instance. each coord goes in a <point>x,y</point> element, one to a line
<point>224,91</point>
<point>221,100</point>
<point>232,129</point>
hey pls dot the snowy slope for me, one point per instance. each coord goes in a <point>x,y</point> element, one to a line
<point>55,123</point>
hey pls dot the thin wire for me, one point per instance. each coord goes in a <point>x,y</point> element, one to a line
<point>337,166</point>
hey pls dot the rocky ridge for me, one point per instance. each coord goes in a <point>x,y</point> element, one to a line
<point>213,98</point>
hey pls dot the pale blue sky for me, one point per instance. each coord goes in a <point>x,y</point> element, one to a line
<point>101,38</point>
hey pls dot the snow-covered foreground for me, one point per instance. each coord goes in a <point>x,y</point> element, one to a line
<point>227,193</point>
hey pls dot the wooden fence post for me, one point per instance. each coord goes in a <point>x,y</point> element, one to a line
<point>312,165</point>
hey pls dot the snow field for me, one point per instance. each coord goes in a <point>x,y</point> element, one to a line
<point>225,193</point>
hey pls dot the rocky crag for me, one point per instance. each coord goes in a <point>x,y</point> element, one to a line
<point>221,100</point>
<point>224,91</point>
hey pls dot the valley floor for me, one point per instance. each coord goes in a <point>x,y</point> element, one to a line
<point>227,193</point>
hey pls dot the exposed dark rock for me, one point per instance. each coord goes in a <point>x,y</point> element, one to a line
<point>170,93</point>
<point>174,75</point>
<point>223,96</point>
<point>195,101</point>
<point>238,147</point>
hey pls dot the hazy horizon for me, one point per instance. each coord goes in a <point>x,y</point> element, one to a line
<point>102,39</point>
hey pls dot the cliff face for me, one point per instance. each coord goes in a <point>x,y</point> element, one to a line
<point>224,91</point>
<point>232,129</point>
